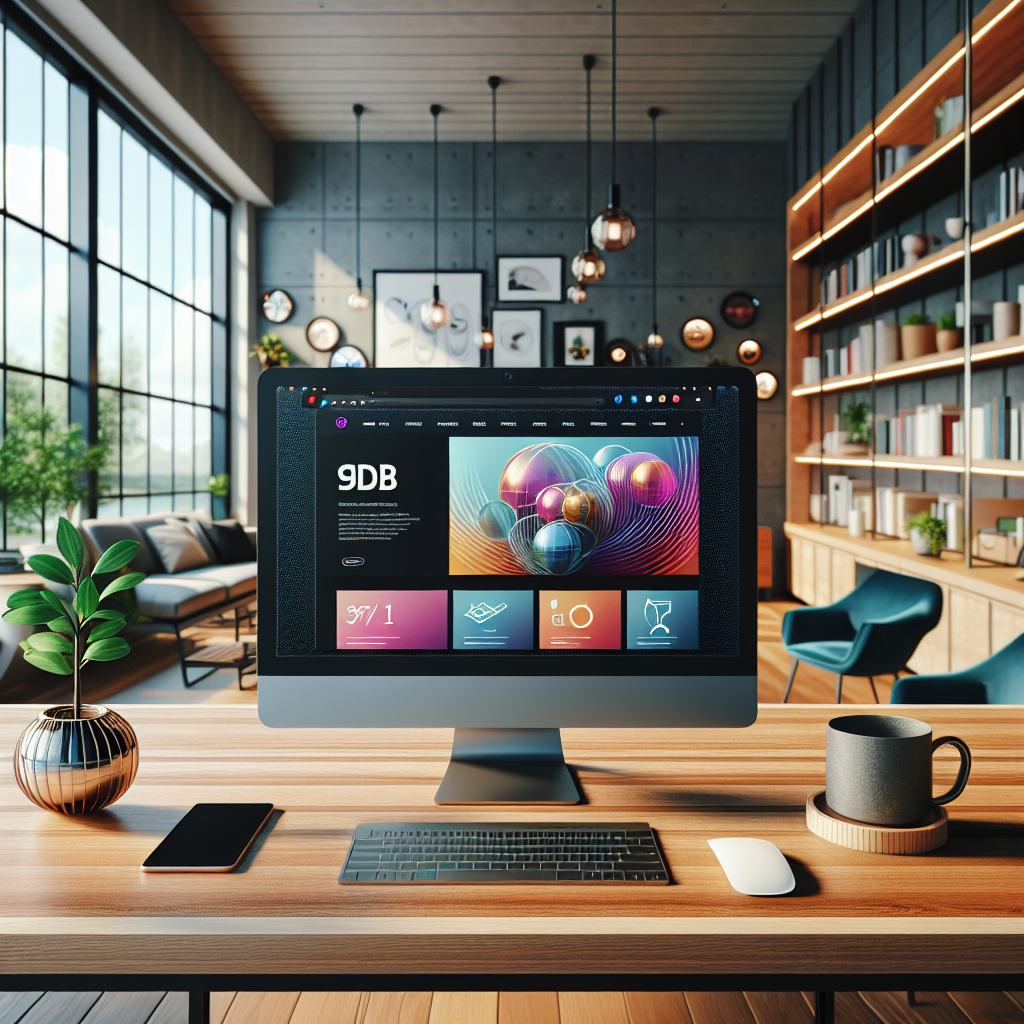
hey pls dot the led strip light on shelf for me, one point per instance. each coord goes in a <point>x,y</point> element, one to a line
<point>927,467</point>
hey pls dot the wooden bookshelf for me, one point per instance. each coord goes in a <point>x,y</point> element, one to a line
<point>842,210</point>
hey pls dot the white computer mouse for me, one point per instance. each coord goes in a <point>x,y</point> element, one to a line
<point>754,867</point>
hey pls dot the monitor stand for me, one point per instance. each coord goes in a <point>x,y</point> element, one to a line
<point>507,766</point>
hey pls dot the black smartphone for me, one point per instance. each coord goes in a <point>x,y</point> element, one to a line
<point>211,837</point>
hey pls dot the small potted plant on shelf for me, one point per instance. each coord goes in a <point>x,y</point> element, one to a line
<point>77,758</point>
<point>927,534</point>
<point>857,422</point>
<point>948,336</point>
<point>270,351</point>
<point>917,336</point>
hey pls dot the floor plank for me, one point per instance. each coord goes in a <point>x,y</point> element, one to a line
<point>779,1008</point>
<point>592,1007</point>
<point>123,1008</point>
<point>61,1008</point>
<point>989,1007</point>
<point>528,1008</point>
<point>464,1008</point>
<point>397,1008</point>
<point>891,1007</point>
<point>14,1005</point>
<point>220,1002</point>
<point>719,1008</point>
<point>321,1007</point>
<point>261,1008</point>
<point>173,1009</point>
<point>657,1008</point>
<point>1018,996</point>
<point>938,1008</point>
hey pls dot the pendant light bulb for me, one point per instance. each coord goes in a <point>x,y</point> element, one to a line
<point>575,294</point>
<point>434,313</point>
<point>357,300</point>
<point>588,267</point>
<point>487,338</point>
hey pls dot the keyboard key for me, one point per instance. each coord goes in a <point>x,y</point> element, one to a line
<point>422,876</point>
<point>591,876</point>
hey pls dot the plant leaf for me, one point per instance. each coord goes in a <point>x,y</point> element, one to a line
<point>48,661</point>
<point>50,642</point>
<point>107,650</point>
<point>69,543</point>
<point>125,582</point>
<point>87,600</point>
<point>29,615</point>
<point>57,604</point>
<point>117,556</point>
<point>102,630</point>
<point>105,613</point>
<point>21,598</point>
<point>52,568</point>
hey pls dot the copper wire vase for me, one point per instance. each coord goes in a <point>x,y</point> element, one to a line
<point>76,765</point>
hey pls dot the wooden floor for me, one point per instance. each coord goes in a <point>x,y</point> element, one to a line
<point>511,1008</point>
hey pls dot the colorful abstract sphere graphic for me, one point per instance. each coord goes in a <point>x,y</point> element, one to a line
<point>609,452</point>
<point>549,503</point>
<point>528,472</point>
<point>653,483</point>
<point>561,546</point>
<point>496,519</point>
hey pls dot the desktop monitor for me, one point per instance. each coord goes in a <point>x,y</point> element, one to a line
<point>507,552</point>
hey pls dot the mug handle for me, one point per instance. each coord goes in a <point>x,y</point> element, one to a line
<point>965,767</point>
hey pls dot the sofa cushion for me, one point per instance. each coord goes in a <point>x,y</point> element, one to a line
<point>229,540</point>
<point>177,597</point>
<point>238,579</point>
<point>191,521</point>
<point>106,532</point>
<point>177,546</point>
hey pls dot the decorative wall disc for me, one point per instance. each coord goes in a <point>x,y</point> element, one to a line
<point>739,309</point>
<point>749,351</point>
<point>697,334</point>
<point>323,334</point>
<point>767,384</point>
<point>278,306</point>
<point>349,355</point>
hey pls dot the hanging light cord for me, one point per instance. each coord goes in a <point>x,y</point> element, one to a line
<point>358,111</point>
<point>614,83</point>
<point>435,110</point>
<point>494,81</point>
<point>588,64</point>
<point>653,114</point>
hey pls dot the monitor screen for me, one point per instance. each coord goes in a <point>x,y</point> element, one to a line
<point>551,524</point>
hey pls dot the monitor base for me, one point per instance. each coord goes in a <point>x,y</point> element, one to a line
<point>507,766</point>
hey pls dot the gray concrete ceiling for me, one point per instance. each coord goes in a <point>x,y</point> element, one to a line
<point>720,69</point>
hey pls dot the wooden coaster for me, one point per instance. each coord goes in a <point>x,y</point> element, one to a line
<point>856,835</point>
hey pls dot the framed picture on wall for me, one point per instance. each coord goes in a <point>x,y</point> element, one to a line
<point>531,278</point>
<point>517,337</point>
<point>579,343</point>
<point>401,340</point>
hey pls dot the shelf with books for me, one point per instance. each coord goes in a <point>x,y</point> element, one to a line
<point>926,463</point>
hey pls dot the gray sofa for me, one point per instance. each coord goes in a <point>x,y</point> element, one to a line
<point>179,600</point>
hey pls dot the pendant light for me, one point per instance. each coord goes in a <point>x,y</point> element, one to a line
<point>587,265</point>
<point>357,300</point>
<point>655,342</point>
<point>434,314</point>
<point>487,335</point>
<point>614,229</point>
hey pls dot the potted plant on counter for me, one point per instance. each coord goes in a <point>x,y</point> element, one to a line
<point>948,336</point>
<point>77,758</point>
<point>917,336</point>
<point>927,534</point>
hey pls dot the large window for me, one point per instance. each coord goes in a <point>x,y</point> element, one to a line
<point>133,349</point>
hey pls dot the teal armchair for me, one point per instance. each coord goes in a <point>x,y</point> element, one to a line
<point>870,632</point>
<point>996,680</point>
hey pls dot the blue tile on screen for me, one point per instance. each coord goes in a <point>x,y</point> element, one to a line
<point>657,620</point>
<point>498,619</point>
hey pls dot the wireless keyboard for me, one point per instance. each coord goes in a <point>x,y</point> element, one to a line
<point>505,852</point>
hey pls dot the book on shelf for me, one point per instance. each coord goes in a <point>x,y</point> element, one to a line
<point>996,430</point>
<point>810,369</point>
<point>845,493</point>
<point>1011,192</point>
<point>950,509</point>
<point>923,432</point>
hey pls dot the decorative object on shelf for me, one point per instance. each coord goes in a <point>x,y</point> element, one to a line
<point>323,334</point>
<point>270,351</point>
<point>77,758</point>
<point>622,352</point>
<point>949,115</point>
<point>948,337</point>
<point>277,306</point>
<point>575,294</point>
<point>350,356</point>
<point>530,278</point>
<point>749,351</point>
<point>917,336</point>
<point>855,517</point>
<point>434,313</point>
<point>517,337</point>
<point>587,265</point>
<point>578,343</point>
<point>655,342</point>
<point>954,228</point>
<point>1005,320</point>
<point>766,384</point>
<point>927,533</point>
<point>739,310</point>
<point>614,228</point>
<point>697,334</point>
<point>357,300</point>
<point>904,154</point>
<point>914,247</point>
<point>401,340</point>
<point>856,420</point>
<point>887,342</point>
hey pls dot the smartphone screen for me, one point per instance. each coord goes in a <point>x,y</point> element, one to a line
<point>211,837</point>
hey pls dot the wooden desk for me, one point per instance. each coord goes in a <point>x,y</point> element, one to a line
<point>75,905</point>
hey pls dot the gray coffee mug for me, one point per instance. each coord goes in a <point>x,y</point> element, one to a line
<point>878,769</point>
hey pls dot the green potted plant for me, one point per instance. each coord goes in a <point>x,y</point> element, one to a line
<point>927,534</point>
<point>270,351</point>
<point>948,336</point>
<point>857,422</point>
<point>917,336</point>
<point>77,758</point>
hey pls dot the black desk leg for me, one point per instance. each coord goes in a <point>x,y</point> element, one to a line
<point>199,1008</point>
<point>824,1008</point>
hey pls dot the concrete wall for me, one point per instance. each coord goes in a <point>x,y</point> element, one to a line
<point>721,228</point>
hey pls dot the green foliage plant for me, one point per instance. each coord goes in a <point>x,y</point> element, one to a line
<point>914,319</point>
<point>44,467</point>
<point>947,322</point>
<point>270,351</point>
<point>931,527</point>
<point>85,628</point>
<point>219,485</point>
<point>857,420</point>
